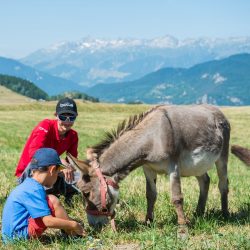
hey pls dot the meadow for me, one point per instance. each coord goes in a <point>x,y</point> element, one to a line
<point>211,231</point>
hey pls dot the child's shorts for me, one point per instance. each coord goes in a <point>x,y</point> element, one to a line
<point>36,226</point>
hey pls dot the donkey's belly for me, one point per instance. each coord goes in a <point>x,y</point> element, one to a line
<point>197,162</point>
<point>161,167</point>
<point>190,163</point>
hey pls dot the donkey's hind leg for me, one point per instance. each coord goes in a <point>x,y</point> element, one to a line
<point>221,166</point>
<point>151,193</point>
<point>204,182</point>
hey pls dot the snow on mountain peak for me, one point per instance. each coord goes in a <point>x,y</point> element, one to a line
<point>92,45</point>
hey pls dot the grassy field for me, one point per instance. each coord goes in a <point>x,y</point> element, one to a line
<point>10,97</point>
<point>208,232</point>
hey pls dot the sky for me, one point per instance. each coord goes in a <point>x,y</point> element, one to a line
<point>29,25</point>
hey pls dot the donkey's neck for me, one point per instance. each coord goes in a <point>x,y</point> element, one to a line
<point>124,154</point>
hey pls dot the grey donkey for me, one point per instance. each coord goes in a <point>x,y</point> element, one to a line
<point>178,141</point>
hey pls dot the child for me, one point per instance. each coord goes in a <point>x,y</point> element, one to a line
<point>28,211</point>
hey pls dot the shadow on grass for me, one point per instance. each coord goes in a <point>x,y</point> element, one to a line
<point>241,217</point>
<point>48,239</point>
<point>131,224</point>
<point>3,199</point>
<point>51,239</point>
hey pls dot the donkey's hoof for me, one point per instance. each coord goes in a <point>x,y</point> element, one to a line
<point>182,232</point>
<point>184,222</point>
<point>226,214</point>
<point>199,213</point>
<point>148,222</point>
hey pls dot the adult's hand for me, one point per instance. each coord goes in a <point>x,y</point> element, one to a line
<point>68,174</point>
<point>68,171</point>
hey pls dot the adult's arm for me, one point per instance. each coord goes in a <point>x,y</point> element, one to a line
<point>73,150</point>
<point>73,147</point>
<point>39,136</point>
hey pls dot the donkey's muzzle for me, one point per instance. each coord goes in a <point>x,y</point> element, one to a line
<point>97,221</point>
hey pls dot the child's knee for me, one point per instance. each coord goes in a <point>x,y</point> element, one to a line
<point>54,201</point>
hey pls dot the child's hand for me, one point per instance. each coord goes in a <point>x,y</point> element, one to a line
<point>77,229</point>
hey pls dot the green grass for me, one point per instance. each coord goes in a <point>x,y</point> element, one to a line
<point>208,232</point>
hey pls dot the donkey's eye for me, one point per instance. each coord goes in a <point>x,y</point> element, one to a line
<point>86,178</point>
<point>86,195</point>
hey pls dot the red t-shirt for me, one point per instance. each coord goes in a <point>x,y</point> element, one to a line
<point>45,134</point>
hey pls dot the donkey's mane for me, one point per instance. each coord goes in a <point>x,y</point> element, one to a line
<point>123,127</point>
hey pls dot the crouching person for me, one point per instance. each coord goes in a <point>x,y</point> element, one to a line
<point>28,211</point>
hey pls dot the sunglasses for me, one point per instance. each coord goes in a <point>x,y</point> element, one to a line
<point>66,118</point>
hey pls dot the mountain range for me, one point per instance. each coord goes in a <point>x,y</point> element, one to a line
<point>91,61</point>
<point>161,70</point>
<point>52,85</point>
<point>219,82</point>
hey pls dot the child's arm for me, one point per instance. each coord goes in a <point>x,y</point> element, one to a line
<point>70,226</point>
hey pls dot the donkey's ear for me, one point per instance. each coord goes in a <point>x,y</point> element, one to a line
<point>82,166</point>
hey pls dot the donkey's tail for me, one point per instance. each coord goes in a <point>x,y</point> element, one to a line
<point>242,153</point>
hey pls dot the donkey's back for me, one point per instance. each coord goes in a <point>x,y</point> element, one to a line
<point>201,136</point>
<point>191,137</point>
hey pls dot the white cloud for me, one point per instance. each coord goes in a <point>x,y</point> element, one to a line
<point>235,100</point>
<point>157,90</point>
<point>184,93</point>
<point>101,73</point>
<point>204,76</point>
<point>218,79</point>
<point>122,99</point>
<point>38,76</point>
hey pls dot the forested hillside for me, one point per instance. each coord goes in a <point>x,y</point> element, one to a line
<point>29,89</point>
<point>23,87</point>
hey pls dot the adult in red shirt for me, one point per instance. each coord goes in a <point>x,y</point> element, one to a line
<point>57,134</point>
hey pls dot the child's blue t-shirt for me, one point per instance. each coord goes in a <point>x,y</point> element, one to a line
<point>26,200</point>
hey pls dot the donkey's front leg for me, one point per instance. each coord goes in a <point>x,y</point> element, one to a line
<point>151,193</point>
<point>177,198</point>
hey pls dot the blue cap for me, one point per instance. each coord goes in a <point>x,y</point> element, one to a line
<point>44,157</point>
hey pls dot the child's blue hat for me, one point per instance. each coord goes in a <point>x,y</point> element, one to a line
<point>45,157</point>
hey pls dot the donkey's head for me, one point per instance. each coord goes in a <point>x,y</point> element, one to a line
<point>100,192</point>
